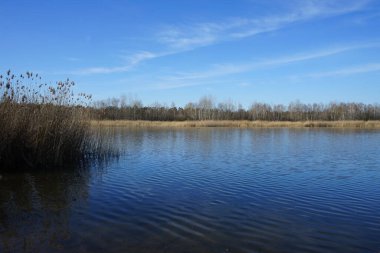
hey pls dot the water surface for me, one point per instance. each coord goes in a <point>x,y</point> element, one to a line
<point>204,190</point>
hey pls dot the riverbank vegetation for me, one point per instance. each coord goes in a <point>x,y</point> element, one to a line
<point>238,123</point>
<point>207,109</point>
<point>42,124</point>
<point>45,125</point>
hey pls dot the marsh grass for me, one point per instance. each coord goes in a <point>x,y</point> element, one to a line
<point>240,123</point>
<point>43,125</point>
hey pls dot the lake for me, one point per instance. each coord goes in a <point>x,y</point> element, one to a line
<point>204,190</point>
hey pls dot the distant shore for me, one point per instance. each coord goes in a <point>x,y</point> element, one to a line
<point>375,124</point>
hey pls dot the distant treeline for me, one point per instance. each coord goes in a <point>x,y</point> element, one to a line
<point>207,109</point>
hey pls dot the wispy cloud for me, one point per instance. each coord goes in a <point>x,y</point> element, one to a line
<point>72,59</point>
<point>203,34</point>
<point>101,70</point>
<point>132,61</point>
<point>198,78</point>
<point>227,69</point>
<point>370,67</point>
<point>183,38</point>
<point>167,85</point>
<point>367,18</point>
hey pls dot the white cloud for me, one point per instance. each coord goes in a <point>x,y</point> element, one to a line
<point>203,34</point>
<point>228,69</point>
<point>197,78</point>
<point>370,67</point>
<point>142,56</point>
<point>72,59</point>
<point>180,39</point>
<point>132,61</point>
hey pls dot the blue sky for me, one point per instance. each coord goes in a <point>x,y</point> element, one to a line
<point>177,51</point>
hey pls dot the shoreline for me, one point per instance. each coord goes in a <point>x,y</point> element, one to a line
<point>349,124</point>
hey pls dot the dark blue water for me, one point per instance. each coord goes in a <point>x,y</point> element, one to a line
<point>204,190</point>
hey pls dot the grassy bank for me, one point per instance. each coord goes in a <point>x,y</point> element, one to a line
<point>239,123</point>
<point>41,125</point>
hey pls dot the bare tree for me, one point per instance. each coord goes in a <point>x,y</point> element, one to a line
<point>132,108</point>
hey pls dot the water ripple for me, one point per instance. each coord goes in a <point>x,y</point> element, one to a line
<point>214,190</point>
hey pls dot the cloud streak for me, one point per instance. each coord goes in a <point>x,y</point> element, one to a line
<point>370,67</point>
<point>180,39</point>
<point>197,78</point>
<point>228,69</point>
<point>204,34</point>
<point>133,61</point>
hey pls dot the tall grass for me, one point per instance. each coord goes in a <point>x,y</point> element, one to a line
<point>42,125</point>
<point>375,124</point>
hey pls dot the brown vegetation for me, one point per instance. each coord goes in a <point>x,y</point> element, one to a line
<point>45,125</point>
<point>41,125</point>
<point>239,123</point>
<point>207,109</point>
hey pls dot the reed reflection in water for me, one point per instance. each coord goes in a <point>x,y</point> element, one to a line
<point>204,190</point>
<point>35,209</point>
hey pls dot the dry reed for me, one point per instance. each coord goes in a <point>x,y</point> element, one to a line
<point>239,123</point>
<point>41,125</point>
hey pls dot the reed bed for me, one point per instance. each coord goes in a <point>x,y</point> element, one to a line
<point>239,123</point>
<point>42,125</point>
